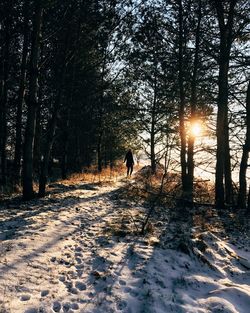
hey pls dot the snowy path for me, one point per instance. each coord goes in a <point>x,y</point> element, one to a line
<point>70,252</point>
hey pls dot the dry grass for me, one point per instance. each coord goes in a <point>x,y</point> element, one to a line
<point>89,175</point>
<point>166,188</point>
<point>92,175</point>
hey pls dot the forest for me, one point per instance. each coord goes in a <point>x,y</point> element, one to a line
<point>83,81</point>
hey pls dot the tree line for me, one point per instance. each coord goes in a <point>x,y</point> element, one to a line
<point>82,80</point>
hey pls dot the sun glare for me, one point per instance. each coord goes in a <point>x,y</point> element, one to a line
<point>196,129</point>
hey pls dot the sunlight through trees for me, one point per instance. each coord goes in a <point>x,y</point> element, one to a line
<point>81,81</point>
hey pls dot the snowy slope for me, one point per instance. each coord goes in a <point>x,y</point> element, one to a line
<point>74,252</point>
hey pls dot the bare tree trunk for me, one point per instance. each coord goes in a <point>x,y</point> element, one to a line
<point>193,101</point>
<point>152,130</point>
<point>223,160</point>
<point>20,99</point>
<point>53,122</point>
<point>37,140</point>
<point>32,103</point>
<point>242,195</point>
<point>64,161</point>
<point>219,175</point>
<point>248,201</point>
<point>105,156</point>
<point>182,130</point>
<point>4,74</point>
<point>45,161</point>
<point>1,108</point>
<point>101,111</point>
<point>228,174</point>
<point>48,146</point>
<point>37,149</point>
<point>111,158</point>
<point>152,146</point>
<point>99,152</point>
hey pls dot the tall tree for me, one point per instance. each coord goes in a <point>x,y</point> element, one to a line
<point>4,85</point>
<point>242,195</point>
<point>182,100</point>
<point>193,105</point>
<point>223,161</point>
<point>32,103</point>
<point>21,93</point>
<point>148,75</point>
<point>61,68</point>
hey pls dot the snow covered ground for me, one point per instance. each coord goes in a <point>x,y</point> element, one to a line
<point>75,251</point>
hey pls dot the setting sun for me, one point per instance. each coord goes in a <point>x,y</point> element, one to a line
<point>196,129</point>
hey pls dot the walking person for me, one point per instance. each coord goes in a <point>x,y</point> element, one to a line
<point>129,162</point>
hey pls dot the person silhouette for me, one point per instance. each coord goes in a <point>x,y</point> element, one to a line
<point>129,162</point>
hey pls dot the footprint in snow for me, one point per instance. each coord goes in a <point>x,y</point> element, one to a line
<point>79,266</point>
<point>25,297</point>
<point>74,306</point>
<point>122,282</point>
<point>66,307</point>
<point>68,284</point>
<point>78,254</point>
<point>73,290</point>
<point>127,289</point>
<point>78,260</point>
<point>57,306</point>
<point>91,295</point>
<point>78,249</point>
<point>53,259</point>
<point>73,274</point>
<point>32,310</point>
<point>67,255</point>
<point>121,305</point>
<point>81,286</point>
<point>44,293</point>
<point>62,278</point>
<point>134,293</point>
<point>79,272</point>
<point>91,234</point>
<point>84,243</point>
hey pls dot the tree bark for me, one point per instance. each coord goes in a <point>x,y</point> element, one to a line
<point>37,140</point>
<point>20,99</point>
<point>53,122</point>
<point>28,192</point>
<point>99,152</point>
<point>182,130</point>
<point>65,132</point>
<point>223,160</point>
<point>152,130</point>
<point>64,163</point>
<point>193,102</point>
<point>242,195</point>
<point>49,143</point>
<point>4,74</point>
<point>248,201</point>
<point>152,144</point>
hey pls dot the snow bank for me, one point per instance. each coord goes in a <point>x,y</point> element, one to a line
<point>64,254</point>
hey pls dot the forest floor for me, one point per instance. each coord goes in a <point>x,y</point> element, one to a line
<point>79,249</point>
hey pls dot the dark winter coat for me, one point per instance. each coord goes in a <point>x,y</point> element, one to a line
<point>129,159</point>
